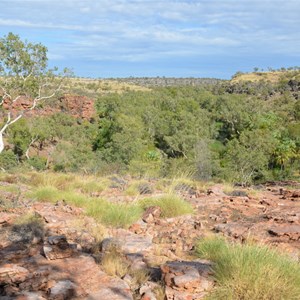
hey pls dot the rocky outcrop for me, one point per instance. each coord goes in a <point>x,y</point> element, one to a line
<point>58,257</point>
<point>80,107</point>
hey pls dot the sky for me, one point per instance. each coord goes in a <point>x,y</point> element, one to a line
<point>178,38</point>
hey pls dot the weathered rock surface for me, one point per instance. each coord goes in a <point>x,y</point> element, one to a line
<point>75,105</point>
<point>187,279</point>
<point>55,258</point>
<point>57,247</point>
<point>291,232</point>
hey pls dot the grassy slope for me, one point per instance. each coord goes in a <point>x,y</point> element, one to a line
<point>272,77</point>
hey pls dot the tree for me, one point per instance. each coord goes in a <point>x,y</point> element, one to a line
<point>24,76</point>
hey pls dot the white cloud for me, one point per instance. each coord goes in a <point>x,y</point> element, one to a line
<point>142,30</point>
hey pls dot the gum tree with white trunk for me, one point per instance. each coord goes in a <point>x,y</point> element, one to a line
<point>24,74</point>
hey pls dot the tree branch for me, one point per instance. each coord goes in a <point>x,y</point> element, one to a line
<point>27,151</point>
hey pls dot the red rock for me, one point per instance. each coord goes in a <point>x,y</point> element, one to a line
<point>290,231</point>
<point>151,213</point>
<point>12,273</point>
<point>57,248</point>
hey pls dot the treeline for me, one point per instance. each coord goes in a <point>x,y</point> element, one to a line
<point>219,131</point>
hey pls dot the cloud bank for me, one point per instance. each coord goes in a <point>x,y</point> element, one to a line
<point>168,38</point>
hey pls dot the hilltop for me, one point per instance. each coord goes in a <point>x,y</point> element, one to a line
<point>267,76</point>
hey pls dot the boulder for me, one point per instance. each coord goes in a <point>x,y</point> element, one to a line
<point>62,290</point>
<point>189,277</point>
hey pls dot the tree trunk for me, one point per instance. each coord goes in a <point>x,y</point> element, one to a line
<point>1,142</point>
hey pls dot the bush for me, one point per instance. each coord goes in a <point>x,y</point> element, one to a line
<point>38,163</point>
<point>250,271</point>
<point>8,160</point>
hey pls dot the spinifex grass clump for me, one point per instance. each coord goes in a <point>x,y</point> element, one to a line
<point>117,215</point>
<point>171,205</point>
<point>52,194</point>
<point>108,213</point>
<point>67,182</point>
<point>250,271</point>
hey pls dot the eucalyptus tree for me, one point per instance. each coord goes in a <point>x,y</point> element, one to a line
<point>25,79</point>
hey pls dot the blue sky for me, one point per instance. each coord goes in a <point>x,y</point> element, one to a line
<point>186,38</point>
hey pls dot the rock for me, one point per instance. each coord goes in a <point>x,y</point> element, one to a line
<point>238,193</point>
<point>11,273</point>
<point>78,106</point>
<point>57,248</point>
<point>151,213</point>
<point>115,289</point>
<point>235,230</point>
<point>57,240</point>
<point>148,295</point>
<point>295,194</point>
<point>133,243</point>
<point>30,296</point>
<point>136,261</point>
<point>189,280</point>
<point>109,243</point>
<point>172,294</point>
<point>291,232</point>
<point>187,276</point>
<point>6,218</point>
<point>62,290</point>
<point>146,291</point>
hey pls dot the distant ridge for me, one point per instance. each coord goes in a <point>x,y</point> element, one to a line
<point>267,76</point>
<point>167,81</point>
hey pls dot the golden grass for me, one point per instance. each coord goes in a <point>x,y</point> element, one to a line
<point>273,76</point>
<point>102,86</point>
<point>68,182</point>
<point>159,292</point>
<point>114,264</point>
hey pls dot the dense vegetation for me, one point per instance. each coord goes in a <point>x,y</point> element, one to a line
<point>241,132</point>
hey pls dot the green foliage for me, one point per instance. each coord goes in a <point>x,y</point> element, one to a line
<point>38,163</point>
<point>250,271</point>
<point>8,160</point>
<point>171,205</point>
<point>20,137</point>
<point>242,132</point>
<point>246,158</point>
<point>24,69</point>
<point>116,215</point>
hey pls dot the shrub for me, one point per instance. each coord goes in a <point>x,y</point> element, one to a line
<point>250,271</point>
<point>38,163</point>
<point>171,205</point>
<point>8,160</point>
